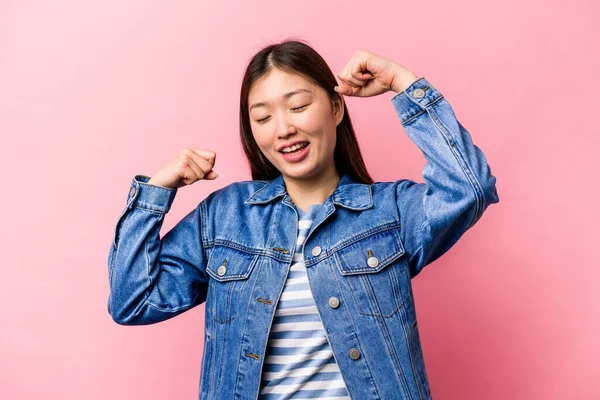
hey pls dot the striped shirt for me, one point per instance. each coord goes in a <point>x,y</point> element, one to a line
<point>299,362</point>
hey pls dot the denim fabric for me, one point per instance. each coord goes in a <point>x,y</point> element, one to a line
<point>366,243</point>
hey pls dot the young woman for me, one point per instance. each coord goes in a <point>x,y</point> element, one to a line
<point>306,269</point>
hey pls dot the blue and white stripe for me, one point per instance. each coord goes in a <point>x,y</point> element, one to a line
<point>299,363</point>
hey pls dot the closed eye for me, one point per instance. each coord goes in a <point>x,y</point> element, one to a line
<point>293,109</point>
<point>299,108</point>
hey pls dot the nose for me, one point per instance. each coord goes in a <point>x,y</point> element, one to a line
<point>284,128</point>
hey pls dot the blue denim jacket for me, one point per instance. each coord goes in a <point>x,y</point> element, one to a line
<point>366,243</point>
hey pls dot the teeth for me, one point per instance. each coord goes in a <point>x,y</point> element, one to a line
<point>294,147</point>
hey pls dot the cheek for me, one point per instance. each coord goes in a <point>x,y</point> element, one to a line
<point>261,139</point>
<point>320,120</point>
<point>323,127</point>
<point>265,145</point>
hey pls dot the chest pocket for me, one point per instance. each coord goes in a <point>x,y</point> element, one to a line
<point>376,271</point>
<point>230,269</point>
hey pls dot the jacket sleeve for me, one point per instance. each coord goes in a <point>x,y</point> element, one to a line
<point>153,279</point>
<point>458,185</point>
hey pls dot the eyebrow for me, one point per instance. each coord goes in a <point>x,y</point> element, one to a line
<point>285,96</point>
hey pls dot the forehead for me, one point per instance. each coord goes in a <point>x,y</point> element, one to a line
<point>272,87</point>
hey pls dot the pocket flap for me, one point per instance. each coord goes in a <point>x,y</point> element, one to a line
<point>370,254</point>
<point>228,264</point>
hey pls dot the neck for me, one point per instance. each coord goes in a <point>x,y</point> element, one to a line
<point>305,192</point>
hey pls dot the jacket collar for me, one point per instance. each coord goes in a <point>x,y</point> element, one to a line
<point>348,193</point>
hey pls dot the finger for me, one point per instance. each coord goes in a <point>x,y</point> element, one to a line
<point>188,170</point>
<point>360,65</point>
<point>192,163</point>
<point>363,76</point>
<point>357,82</point>
<point>199,164</point>
<point>186,174</point>
<point>351,80</point>
<point>346,75</point>
<point>207,154</point>
<point>366,64</point>
<point>210,156</point>
<point>346,68</point>
<point>348,90</point>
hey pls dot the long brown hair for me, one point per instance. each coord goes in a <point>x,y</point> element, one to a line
<point>296,57</point>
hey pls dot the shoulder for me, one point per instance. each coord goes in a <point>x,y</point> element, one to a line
<point>405,194</point>
<point>399,186</point>
<point>235,192</point>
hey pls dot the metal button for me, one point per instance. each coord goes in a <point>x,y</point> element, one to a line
<point>354,354</point>
<point>334,302</point>
<point>132,191</point>
<point>419,93</point>
<point>222,269</point>
<point>316,251</point>
<point>373,262</point>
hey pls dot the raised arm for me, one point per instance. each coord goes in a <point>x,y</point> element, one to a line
<point>459,185</point>
<point>153,279</point>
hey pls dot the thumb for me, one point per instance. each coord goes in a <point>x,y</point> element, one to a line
<point>347,90</point>
<point>211,175</point>
<point>341,89</point>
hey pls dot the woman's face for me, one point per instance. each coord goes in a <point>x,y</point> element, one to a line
<point>286,109</point>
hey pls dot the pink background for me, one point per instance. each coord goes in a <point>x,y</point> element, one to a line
<point>94,92</point>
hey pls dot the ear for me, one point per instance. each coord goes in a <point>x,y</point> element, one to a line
<point>338,108</point>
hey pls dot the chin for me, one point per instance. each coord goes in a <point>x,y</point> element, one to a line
<point>301,174</point>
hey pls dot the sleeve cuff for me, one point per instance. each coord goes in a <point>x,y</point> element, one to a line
<point>150,197</point>
<point>414,99</point>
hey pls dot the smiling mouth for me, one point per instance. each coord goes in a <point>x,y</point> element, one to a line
<point>296,148</point>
